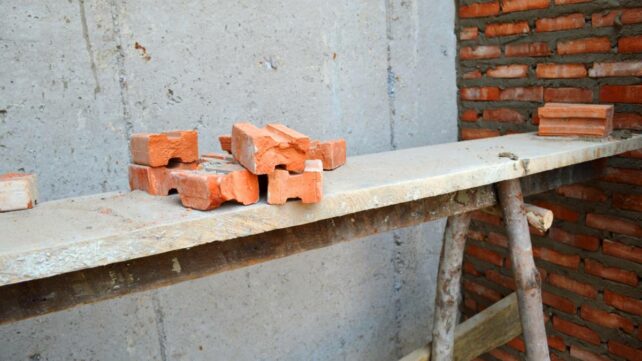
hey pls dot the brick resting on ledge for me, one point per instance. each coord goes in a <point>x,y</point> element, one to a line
<point>560,119</point>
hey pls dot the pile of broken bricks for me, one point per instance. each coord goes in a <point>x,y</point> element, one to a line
<point>292,163</point>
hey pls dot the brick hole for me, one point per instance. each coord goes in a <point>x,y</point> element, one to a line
<point>173,163</point>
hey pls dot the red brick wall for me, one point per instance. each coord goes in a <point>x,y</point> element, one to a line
<point>513,56</point>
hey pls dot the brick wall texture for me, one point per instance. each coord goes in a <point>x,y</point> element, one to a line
<point>514,55</point>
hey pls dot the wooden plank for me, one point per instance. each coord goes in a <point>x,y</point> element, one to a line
<point>41,296</point>
<point>93,231</point>
<point>485,331</point>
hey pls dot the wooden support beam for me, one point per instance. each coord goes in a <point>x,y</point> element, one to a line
<point>448,287</point>
<point>537,217</point>
<point>485,331</point>
<point>527,279</point>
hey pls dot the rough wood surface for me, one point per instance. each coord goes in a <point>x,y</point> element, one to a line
<point>527,279</point>
<point>487,330</point>
<point>448,287</point>
<point>537,217</point>
<point>87,232</point>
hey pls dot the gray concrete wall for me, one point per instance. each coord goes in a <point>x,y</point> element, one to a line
<point>73,88</point>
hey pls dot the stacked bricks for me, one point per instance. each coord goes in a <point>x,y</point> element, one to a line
<point>559,119</point>
<point>561,51</point>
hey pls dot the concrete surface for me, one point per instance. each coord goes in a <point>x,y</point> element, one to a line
<point>74,87</point>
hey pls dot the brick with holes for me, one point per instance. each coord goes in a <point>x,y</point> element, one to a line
<point>307,186</point>
<point>158,149</point>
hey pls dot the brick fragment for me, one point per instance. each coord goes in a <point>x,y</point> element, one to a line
<point>558,302</point>
<point>307,186</point>
<point>226,143</point>
<point>504,115</point>
<point>523,5</point>
<point>617,249</point>
<point>623,175</point>
<point>630,44</point>
<point>624,303</point>
<point>606,319</point>
<point>627,121</point>
<point>616,69</point>
<point>581,288</point>
<point>479,94</point>
<point>261,150</point>
<point>479,10</point>
<point>613,224</point>
<point>555,257</point>
<point>156,181</point>
<point>631,202</point>
<point>506,29</point>
<point>596,268</point>
<point>158,149</point>
<point>508,71</point>
<point>18,191</point>
<point>560,71</point>
<point>568,95</point>
<point>478,133</point>
<point>584,355</point>
<point>469,115</point>
<point>480,52</point>
<point>527,49</point>
<point>469,33</point>
<point>566,22</point>
<point>598,44</point>
<point>218,181</point>
<point>526,94</point>
<point>575,330</point>
<point>621,94</point>
<point>628,352</point>
<point>332,153</point>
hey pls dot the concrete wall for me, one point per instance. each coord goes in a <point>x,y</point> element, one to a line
<point>74,87</point>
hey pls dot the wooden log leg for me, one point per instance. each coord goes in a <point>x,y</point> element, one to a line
<point>448,288</point>
<point>527,277</point>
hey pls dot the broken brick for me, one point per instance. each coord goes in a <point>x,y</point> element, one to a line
<point>157,181</point>
<point>307,186</point>
<point>331,152</point>
<point>219,181</point>
<point>261,150</point>
<point>156,150</point>
<point>17,191</point>
<point>226,143</point>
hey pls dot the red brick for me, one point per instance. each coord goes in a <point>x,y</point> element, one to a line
<point>517,343</point>
<point>631,16</point>
<point>476,235</point>
<point>157,149</point>
<point>504,115</point>
<point>497,239</point>
<point>469,33</point>
<point>486,218</point>
<point>584,355</point>
<point>18,191</point>
<point>505,29</point>
<point>500,279</point>
<point>508,71</point>
<point>527,49</point>
<point>604,18</point>
<point>469,115</point>
<point>479,94</point>
<point>566,22</point>
<point>595,268</point>
<point>226,143</point>
<point>616,69</point>
<point>485,255</point>
<point>567,2</point>
<point>482,291</point>
<point>332,153</point>
<point>560,71</point>
<point>600,44</point>
<point>635,154</point>
<point>553,110</point>
<point>157,181</point>
<point>627,121</point>
<point>624,175</point>
<point>479,10</point>
<point>261,150</point>
<point>575,330</point>
<point>582,289</point>
<point>556,342</point>
<point>613,224</point>
<point>628,352</point>
<point>474,133</point>
<point>470,269</point>
<point>584,192</point>
<point>624,303</point>
<point>559,211</point>
<point>480,52</point>
<point>558,258</point>
<point>617,249</point>
<point>502,355</point>
<point>568,95</point>
<point>522,5</point>
<point>606,319</point>
<point>558,302</point>
<point>527,94</point>
<point>582,241</point>
<point>630,44</point>
<point>621,94</point>
<point>631,202</point>
<point>473,74</point>
<point>470,304</point>
<point>306,186</point>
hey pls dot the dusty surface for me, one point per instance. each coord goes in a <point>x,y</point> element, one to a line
<point>87,232</point>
